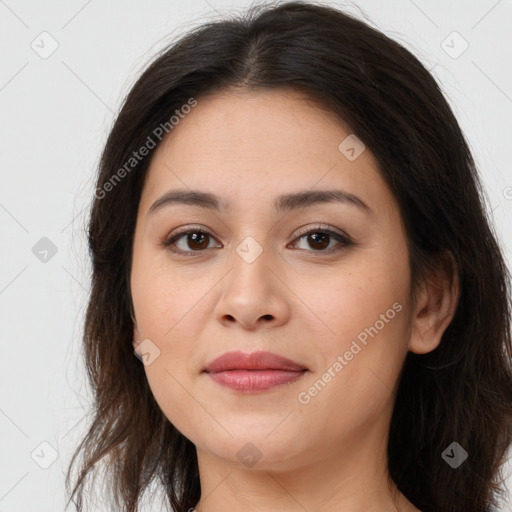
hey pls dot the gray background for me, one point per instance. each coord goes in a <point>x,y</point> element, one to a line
<point>56,110</point>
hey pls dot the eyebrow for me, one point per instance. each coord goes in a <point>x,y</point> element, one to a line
<point>282,204</point>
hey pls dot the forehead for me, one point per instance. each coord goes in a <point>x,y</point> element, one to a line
<point>244,125</point>
<point>258,144</point>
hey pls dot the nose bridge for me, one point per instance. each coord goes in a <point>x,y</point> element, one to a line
<point>250,263</point>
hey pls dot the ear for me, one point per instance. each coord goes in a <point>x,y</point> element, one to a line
<point>436,302</point>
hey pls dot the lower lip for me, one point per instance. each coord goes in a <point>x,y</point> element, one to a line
<point>255,380</point>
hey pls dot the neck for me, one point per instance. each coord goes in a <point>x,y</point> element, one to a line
<point>354,478</point>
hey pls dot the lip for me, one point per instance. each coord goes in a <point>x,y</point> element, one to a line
<point>254,361</point>
<point>253,372</point>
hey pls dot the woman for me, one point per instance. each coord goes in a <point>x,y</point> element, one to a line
<point>289,232</point>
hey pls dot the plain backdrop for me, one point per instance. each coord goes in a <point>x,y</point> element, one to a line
<point>65,68</point>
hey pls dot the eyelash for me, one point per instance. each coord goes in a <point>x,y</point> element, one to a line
<point>342,239</point>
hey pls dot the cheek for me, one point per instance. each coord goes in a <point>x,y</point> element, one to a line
<point>364,339</point>
<point>353,299</point>
<point>161,297</point>
<point>170,313</point>
<point>361,366</point>
<point>170,321</point>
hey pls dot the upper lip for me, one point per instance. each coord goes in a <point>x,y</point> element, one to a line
<point>254,361</point>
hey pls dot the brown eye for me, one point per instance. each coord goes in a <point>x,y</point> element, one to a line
<point>194,240</point>
<point>320,239</point>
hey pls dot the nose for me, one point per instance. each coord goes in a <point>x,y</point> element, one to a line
<point>253,294</point>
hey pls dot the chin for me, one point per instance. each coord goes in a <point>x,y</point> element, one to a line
<point>255,448</point>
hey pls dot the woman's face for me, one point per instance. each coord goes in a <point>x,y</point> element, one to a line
<point>258,282</point>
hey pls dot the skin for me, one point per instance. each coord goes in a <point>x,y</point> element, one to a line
<point>294,300</point>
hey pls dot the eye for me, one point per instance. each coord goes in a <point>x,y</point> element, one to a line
<point>320,238</point>
<point>196,240</point>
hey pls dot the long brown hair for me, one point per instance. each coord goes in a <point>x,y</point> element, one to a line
<point>461,392</point>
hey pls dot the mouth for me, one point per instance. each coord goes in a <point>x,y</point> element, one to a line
<point>253,372</point>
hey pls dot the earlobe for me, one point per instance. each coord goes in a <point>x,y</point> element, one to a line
<point>436,304</point>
